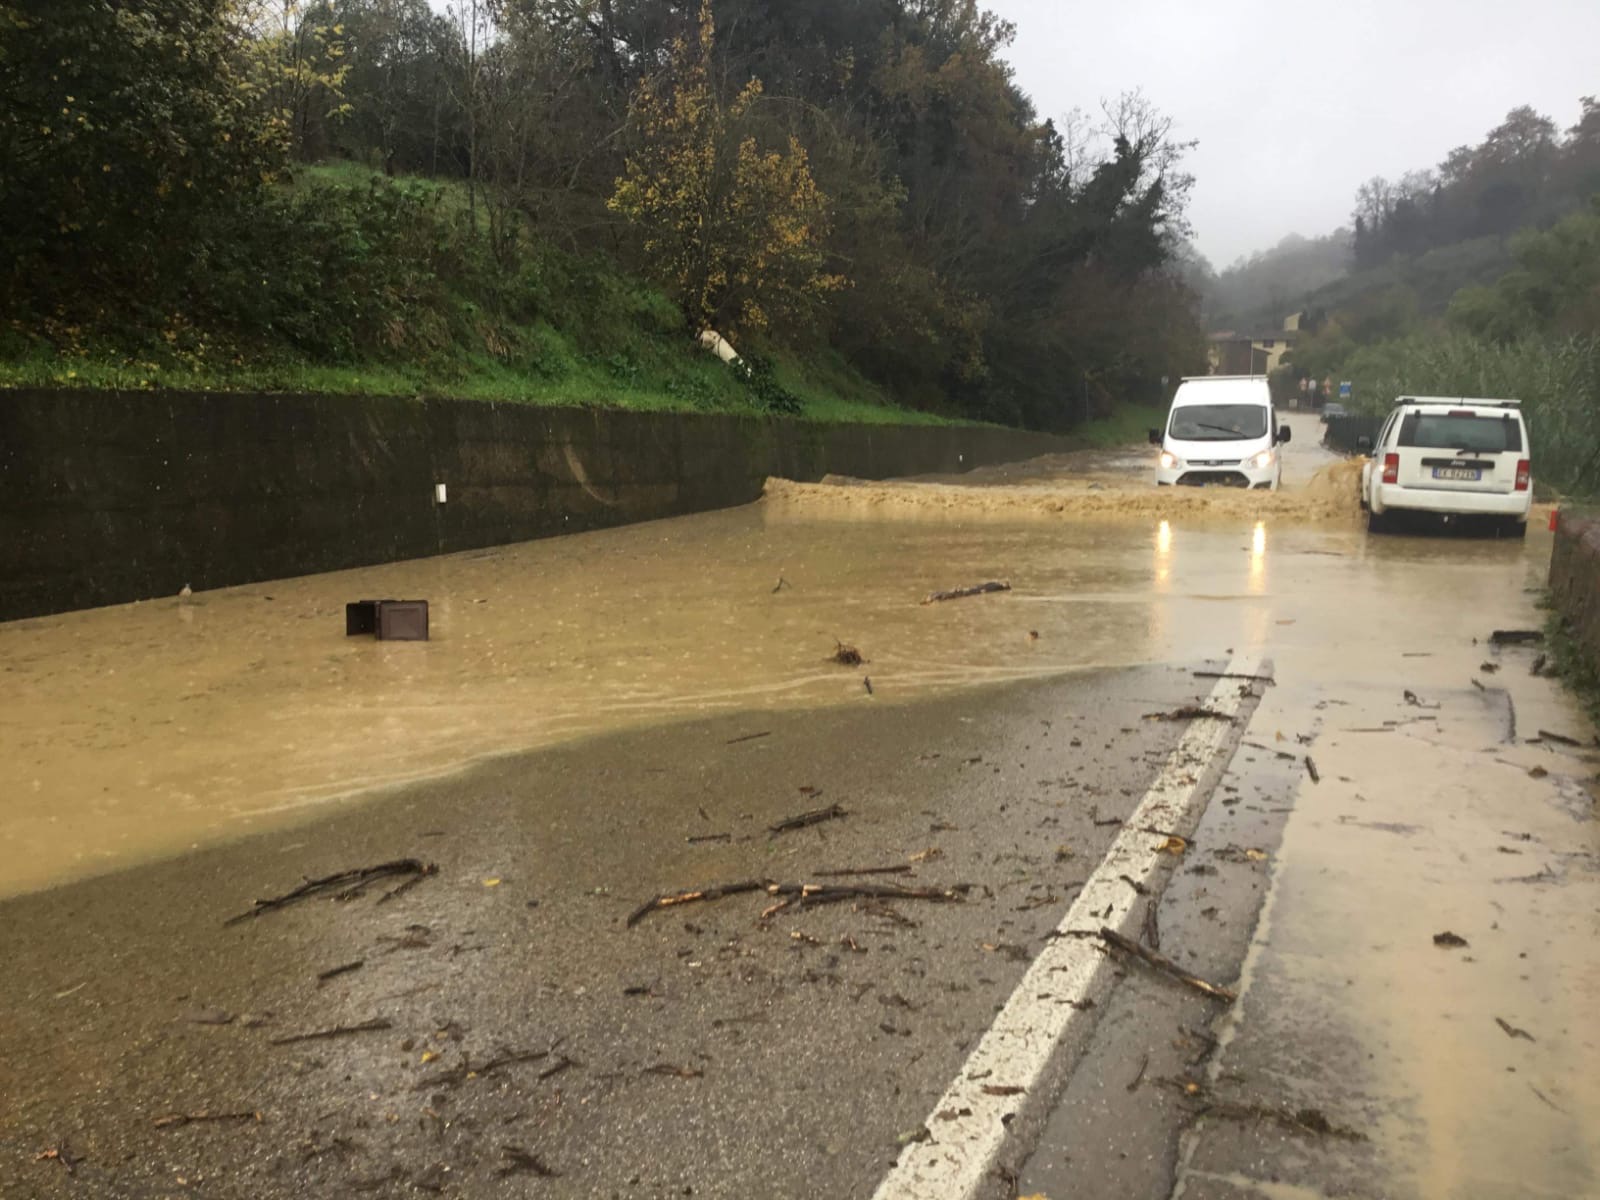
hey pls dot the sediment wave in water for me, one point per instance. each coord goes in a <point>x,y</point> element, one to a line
<point>1330,495</point>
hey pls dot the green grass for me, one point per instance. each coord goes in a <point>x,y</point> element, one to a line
<point>694,382</point>
<point>559,330</point>
<point>1571,664</point>
<point>1127,426</point>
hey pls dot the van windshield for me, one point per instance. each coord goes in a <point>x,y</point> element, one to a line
<point>1218,422</point>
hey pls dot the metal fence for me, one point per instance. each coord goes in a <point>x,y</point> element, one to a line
<point>1342,433</point>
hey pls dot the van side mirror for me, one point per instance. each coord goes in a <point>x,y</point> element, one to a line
<point>1363,442</point>
<point>1155,437</point>
<point>1283,433</point>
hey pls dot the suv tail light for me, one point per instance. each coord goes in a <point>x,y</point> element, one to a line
<point>1524,474</point>
<point>1391,468</point>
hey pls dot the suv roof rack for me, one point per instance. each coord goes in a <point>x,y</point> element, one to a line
<point>1481,403</point>
<point>1203,378</point>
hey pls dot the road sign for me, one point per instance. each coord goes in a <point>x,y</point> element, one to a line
<point>1344,389</point>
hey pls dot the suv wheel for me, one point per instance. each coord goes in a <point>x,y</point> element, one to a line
<point>1510,527</point>
<point>1378,522</point>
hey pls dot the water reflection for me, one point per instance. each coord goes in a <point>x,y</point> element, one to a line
<point>1163,555</point>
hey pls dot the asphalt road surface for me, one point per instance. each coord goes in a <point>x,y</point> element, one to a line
<point>622,716</point>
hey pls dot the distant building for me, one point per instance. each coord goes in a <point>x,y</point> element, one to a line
<point>1234,353</point>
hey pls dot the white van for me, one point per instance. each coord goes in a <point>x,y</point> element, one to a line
<point>1222,430</point>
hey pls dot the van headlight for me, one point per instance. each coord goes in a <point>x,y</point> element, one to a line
<point>1263,459</point>
<point>1170,461</point>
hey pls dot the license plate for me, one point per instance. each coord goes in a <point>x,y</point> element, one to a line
<point>1472,474</point>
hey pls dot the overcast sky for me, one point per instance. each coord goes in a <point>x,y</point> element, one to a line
<point>1295,105</point>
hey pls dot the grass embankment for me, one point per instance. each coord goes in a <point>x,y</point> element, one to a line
<point>697,383</point>
<point>1128,426</point>
<point>1570,662</point>
<point>383,288</point>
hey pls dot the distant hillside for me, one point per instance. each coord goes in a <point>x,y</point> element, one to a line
<point>1256,292</point>
<point>1415,241</point>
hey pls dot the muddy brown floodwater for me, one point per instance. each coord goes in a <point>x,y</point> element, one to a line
<point>143,729</point>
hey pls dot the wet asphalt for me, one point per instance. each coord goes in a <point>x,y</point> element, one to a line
<point>523,1040</point>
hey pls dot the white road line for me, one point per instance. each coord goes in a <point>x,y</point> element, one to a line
<point>1008,1084</point>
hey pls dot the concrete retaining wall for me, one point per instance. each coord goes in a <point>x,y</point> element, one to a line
<point>1575,579</point>
<point>107,497</point>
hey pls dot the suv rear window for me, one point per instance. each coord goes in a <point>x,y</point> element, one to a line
<point>1450,431</point>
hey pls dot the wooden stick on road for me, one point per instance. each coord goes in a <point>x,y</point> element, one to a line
<point>961,593</point>
<point>1165,965</point>
<point>349,885</point>
<point>815,817</point>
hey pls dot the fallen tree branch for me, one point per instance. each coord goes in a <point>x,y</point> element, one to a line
<point>460,1074</point>
<point>1560,739</point>
<point>1152,927</point>
<point>1306,1120</point>
<point>797,895</point>
<point>1144,1066</point>
<point>564,1064</point>
<point>172,1120</point>
<point>815,817</point>
<point>823,893</point>
<point>845,656</point>
<point>318,1035</point>
<point>1189,712</point>
<point>1511,1031</point>
<point>60,1154</point>
<point>961,593</point>
<point>671,899</point>
<point>344,969</point>
<point>349,885</point>
<point>1516,637</point>
<point>1165,965</point>
<point>401,889</point>
<point>897,869</point>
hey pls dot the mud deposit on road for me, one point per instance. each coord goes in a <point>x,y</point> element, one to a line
<point>1330,495</point>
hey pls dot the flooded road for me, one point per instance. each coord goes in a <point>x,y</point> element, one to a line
<point>134,733</point>
<point>145,729</point>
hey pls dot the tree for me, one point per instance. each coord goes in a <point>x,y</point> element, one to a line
<point>298,58</point>
<point>400,117</point>
<point>735,232</point>
<point>131,136</point>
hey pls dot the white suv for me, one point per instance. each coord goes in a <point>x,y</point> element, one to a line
<point>1455,458</point>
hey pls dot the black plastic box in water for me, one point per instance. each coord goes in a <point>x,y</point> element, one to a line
<point>361,616</point>
<point>391,620</point>
<point>403,621</point>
